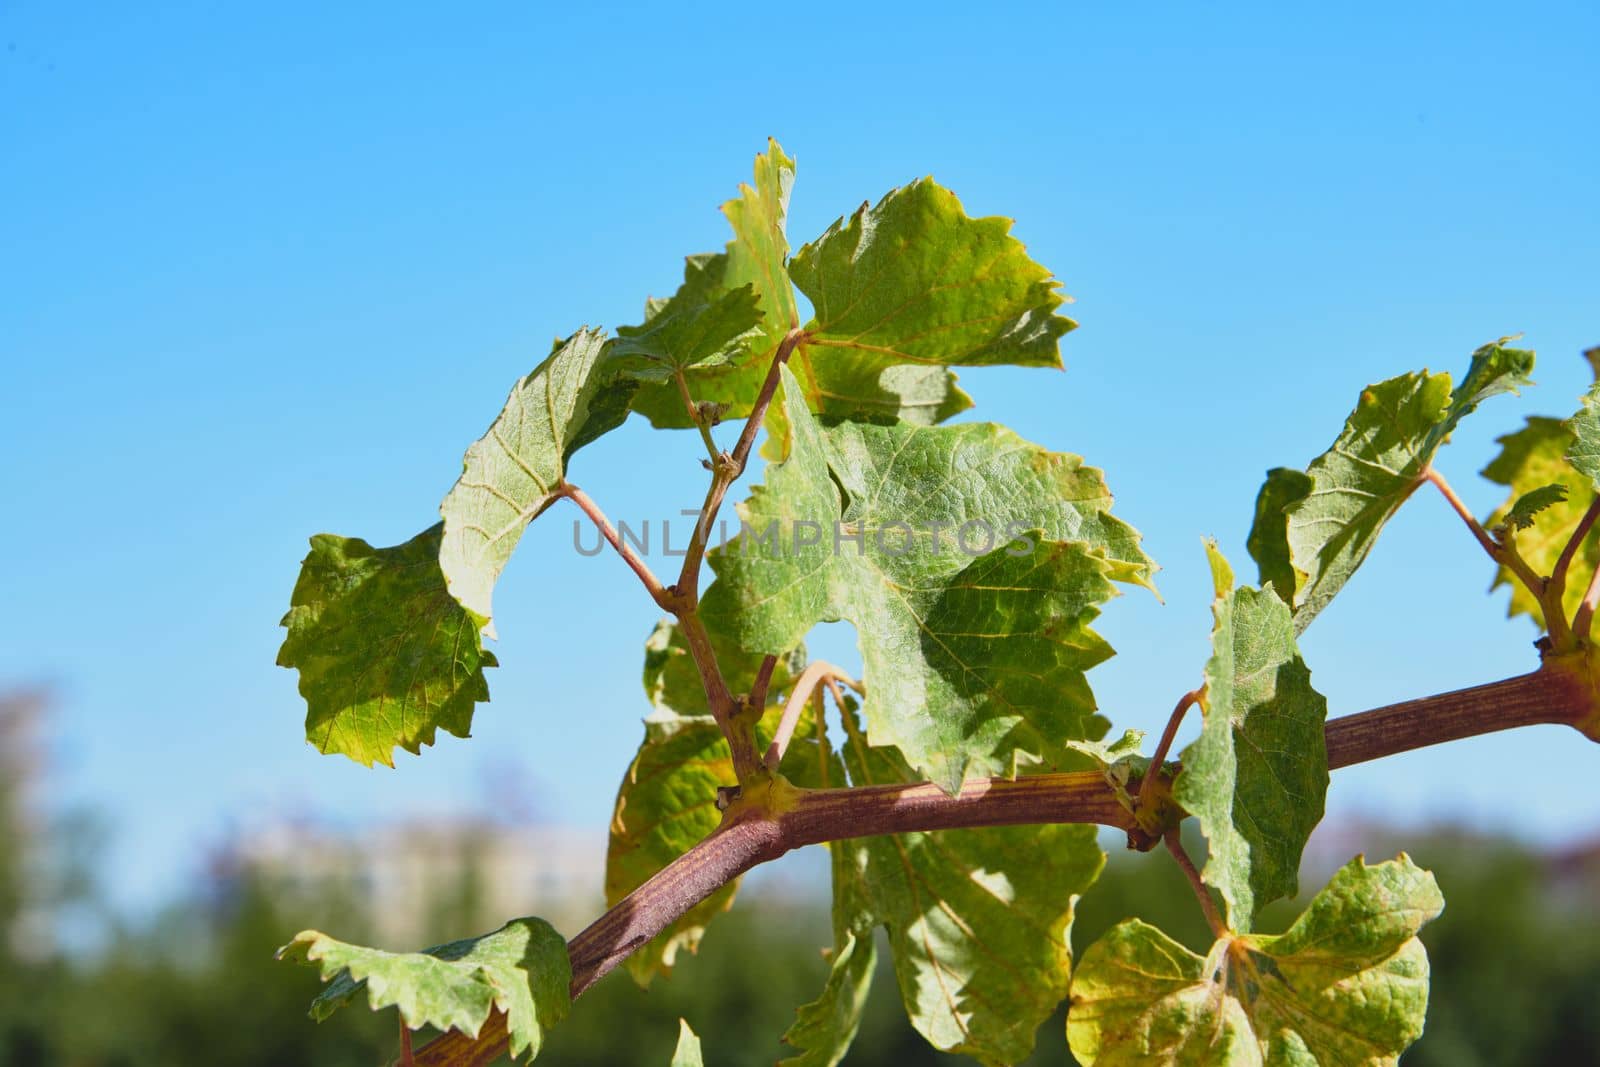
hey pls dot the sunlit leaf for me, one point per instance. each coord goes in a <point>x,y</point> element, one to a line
<point>516,469</point>
<point>1256,776</point>
<point>1530,504</point>
<point>1539,454</point>
<point>852,384</point>
<point>386,655</point>
<point>1346,986</point>
<point>1375,464</point>
<point>972,565</point>
<point>914,279</point>
<point>705,324</point>
<point>521,969</point>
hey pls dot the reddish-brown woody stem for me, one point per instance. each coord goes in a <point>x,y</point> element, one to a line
<point>1560,692</point>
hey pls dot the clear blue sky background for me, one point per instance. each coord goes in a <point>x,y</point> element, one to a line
<point>267,272</point>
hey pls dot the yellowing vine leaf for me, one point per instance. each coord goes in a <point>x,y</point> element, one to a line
<point>386,655</point>
<point>1544,452</point>
<point>521,969</point>
<point>1346,986</point>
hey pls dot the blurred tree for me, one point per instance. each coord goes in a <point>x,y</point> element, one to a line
<point>1516,959</point>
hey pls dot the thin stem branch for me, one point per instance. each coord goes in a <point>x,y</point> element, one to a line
<point>1185,702</point>
<point>657,591</point>
<point>816,672</point>
<point>1174,842</point>
<point>763,682</point>
<point>727,468</point>
<point>406,1059</point>
<point>1449,493</point>
<point>1583,618</point>
<point>751,835</point>
<point>1508,558</point>
<point>1558,577</point>
<point>724,708</point>
<point>696,416</point>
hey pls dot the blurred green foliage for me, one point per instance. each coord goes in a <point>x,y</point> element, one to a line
<point>1516,960</point>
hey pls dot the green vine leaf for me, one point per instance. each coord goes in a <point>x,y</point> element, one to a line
<point>1529,504</point>
<point>824,1029</point>
<point>914,279</point>
<point>386,656</point>
<point>1540,453</point>
<point>667,802</point>
<point>1584,455</point>
<point>521,969</point>
<point>1256,776</point>
<point>1347,985</point>
<point>844,385</point>
<point>1375,464</point>
<point>516,469</point>
<point>704,325</point>
<point>977,920</point>
<point>687,1054</point>
<point>1269,533</point>
<point>972,593</point>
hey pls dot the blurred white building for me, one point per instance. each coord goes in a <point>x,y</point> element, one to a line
<point>409,880</point>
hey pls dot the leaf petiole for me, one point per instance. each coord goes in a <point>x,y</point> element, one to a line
<point>1501,552</point>
<point>816,672</point>
<point>658,593</point>
<point>696,416</point>
<point>1185,702</point>
<point>1174,845</point>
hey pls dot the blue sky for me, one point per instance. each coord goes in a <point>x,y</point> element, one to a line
<point>266,272</point>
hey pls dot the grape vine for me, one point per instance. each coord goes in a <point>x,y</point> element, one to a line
<point>961,807</point>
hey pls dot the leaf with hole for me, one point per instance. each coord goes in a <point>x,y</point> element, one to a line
<point>972,564</point>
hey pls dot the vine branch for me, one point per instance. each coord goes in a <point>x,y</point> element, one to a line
<point>683,599</point>
<point>727,468</point>
<point>696,415</point>
<point>751,834</point>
